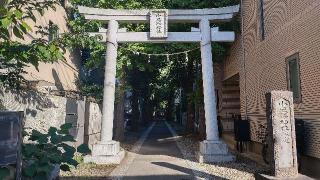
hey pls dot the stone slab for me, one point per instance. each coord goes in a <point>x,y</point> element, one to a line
<point>268,177</point>
<point>110,148</point>
<point>214,152</point>
<point>213,147</point>
<point>115,159</point>
<point>214,158</point>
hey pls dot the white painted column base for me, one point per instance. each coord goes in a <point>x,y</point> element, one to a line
<point>214,152</point>
<point>106,153</point>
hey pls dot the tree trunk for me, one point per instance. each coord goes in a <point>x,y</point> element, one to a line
<point>170,106</point>
<point>119,116</point>
<point>135,111</point>
<point>189,90</point>
<point>190,119</point>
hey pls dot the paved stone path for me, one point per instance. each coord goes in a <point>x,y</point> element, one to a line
<point>158,157</point>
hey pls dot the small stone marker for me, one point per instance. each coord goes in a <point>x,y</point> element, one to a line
<point>10,139</point>
<point>159,23</point>
<point>282,138</point>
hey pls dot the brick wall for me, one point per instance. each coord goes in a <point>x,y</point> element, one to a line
<point>290,27</point>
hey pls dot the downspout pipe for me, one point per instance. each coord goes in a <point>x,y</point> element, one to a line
<point>244,59</point>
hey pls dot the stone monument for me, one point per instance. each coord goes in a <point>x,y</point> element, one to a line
<point>10,141</point>
<point>281,136</point>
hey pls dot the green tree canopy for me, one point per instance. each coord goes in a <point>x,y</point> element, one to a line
<point>15,55</point>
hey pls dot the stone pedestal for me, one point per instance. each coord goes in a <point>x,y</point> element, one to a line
<point>214,151</point>
<point>106,153</point>
<point>268,177</point>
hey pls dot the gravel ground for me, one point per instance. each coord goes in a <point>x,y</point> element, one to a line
<point>88,171</point>
<point>243,168</point>
<point>98,172</point>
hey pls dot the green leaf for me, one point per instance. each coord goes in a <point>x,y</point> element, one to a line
<point>69,150</point>
<point>40,176</point>
<point>68,138</point>
<point>71,161</point>
<point>56,139</point>
<point>29,150</point>
<point>65,167</point>
<point>52,131</point>
<point>46,168</point>
<point>66,126</point>
<point>5,34</point>
<point>18,13</point>
<point>3,11</point>
<point>63,131</point>
<point>30,170</point>
<point>33,18</point>
<point>43,161</point>
<point>17,32</point>
<point>83,149</point>
<point>38,137</point>
<point>26,26</point>
<point>4,172</point>
<point>55,158</point>
<point>5,22</point>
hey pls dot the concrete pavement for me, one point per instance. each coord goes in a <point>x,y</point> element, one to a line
<point>158,158</point>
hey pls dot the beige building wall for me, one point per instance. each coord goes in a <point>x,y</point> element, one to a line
<point>62,74</point>
<point>290,27</point>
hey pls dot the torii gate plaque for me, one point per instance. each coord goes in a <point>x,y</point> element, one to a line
<point>159,23</point>
<point>212,149</point>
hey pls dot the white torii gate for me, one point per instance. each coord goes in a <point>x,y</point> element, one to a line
<point>212,149</point>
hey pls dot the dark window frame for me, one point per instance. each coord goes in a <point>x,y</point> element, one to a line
<point>294,57</point>
<point>53,31</point>
<point>63,3</point>
<point>261,20</point>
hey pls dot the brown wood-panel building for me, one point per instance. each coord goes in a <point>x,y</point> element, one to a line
<point>279,49</point>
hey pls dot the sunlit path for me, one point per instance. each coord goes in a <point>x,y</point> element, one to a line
<point>158,158</point>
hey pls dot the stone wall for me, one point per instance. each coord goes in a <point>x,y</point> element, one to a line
<point>43,111</point>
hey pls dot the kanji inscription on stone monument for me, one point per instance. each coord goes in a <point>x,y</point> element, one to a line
<point>281,130</point>
<point>282,126</point>
<point>159,23</point>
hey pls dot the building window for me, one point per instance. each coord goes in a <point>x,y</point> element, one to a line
<point>63,3</point>
<point>53,31</point>
<point>261,20</point>
<point>293,77</point>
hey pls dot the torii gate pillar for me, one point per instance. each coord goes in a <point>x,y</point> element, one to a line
<point>212,149</point>
<point>108,151</point>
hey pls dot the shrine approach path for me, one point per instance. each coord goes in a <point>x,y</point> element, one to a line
<point>158,158</point>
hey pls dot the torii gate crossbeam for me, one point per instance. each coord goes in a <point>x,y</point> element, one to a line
<point>212,149</point>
